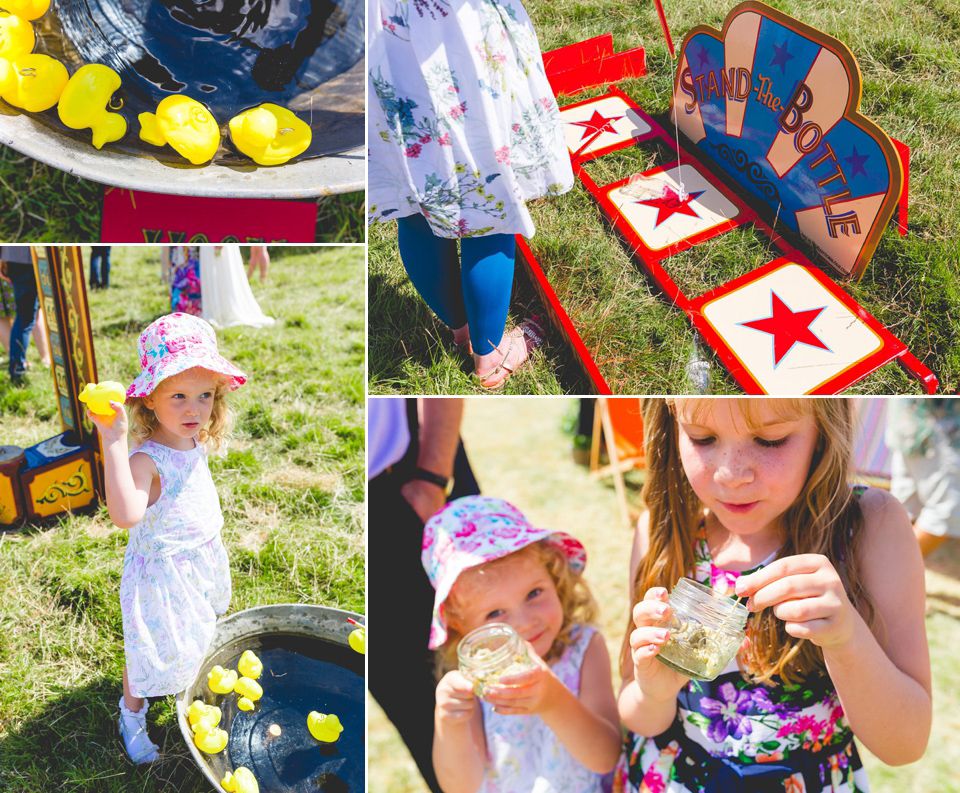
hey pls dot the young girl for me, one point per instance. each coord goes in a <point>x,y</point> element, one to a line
<point>547,729</point>
<point>176,577</point>
<point>751,498</point>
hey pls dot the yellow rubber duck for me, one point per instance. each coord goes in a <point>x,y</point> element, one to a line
<point>84,101</point>
<point>98,396</point>
<point>249,688</point>
<point>186,125</point>
<point>269,134</point>
<point>250,665</point>
<point>210,739</point>
<point>220,680</point>
<point>206,715</point>
<point>28,9</point>
<point>240,781</point>
<point>324,727</point>
<point>16,36</point>
<point>33,82</point>
<point>358,640</point>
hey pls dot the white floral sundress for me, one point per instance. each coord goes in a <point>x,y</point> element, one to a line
<point>463,126</point>
<point>759,727</point>
<point>523,753</point>
<point>176,575</point>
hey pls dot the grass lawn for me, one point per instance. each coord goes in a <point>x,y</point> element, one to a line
<point>640,342</point>
<point>39,203</point>
<point>528,462</point>
<point>291,487</point>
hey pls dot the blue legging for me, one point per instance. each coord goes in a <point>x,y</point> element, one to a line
<point>473,288</point>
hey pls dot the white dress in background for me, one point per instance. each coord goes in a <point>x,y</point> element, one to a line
<point>227,297</point>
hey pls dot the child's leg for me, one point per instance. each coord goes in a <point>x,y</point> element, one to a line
<point>433,266</point>
<point>131,702</point>
<point>487,278</point>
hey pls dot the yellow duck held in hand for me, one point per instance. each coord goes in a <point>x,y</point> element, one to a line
<point>220,680</point>
<point>324,727</point>
<point>186,125</point>
<point>269,134</point>
<point>240,781</point>
<point>98,396</point>
<point>201,714</point>
<point>209,739</point>
<point>250,665</point>
<point>85,103</point>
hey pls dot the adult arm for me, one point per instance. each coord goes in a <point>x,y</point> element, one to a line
<point>438,440</point>
<point>882,676</point>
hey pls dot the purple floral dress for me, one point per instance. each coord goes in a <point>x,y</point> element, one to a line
<point>462,124</point>
<point>752,724</point>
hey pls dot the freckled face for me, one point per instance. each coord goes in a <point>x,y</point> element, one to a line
<point>518,591</point>
<point>746,478</point>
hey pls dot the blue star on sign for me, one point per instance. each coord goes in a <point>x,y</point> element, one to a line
<point>781,57</point>
<point>857,162</point>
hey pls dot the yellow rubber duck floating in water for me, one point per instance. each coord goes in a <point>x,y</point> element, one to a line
<point>220,680</point>
<point>240,781</point>
<point>16,36</point>
<point>209,739</point>
<point>250,665</point>
<point>32,82</point>
<point>358,640</point>
<point>28,9</point>
<point>98,396</point>
<point>249,691</point>
<point>201,714</point>
<point>85,103</point>
<point>269,134</point>
<point>324,727</point>
<point>186,125</point>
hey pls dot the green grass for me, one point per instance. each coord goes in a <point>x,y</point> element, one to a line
<point>291,487</point>
<point>39,203</point>
<point>520,452</point>
<point>639,341</point>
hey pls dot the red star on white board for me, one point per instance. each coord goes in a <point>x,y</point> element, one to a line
<point>788,327</point>
<point>670,204</point>
<point>596,123</point>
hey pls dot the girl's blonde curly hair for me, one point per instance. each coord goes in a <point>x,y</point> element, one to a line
<point>143,421</point>
<point>579,606</point>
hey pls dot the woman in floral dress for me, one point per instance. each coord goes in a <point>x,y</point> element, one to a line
<point>463,129</point>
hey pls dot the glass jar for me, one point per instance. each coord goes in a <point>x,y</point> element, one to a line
<point>706,630</point>
<point>490,652</point>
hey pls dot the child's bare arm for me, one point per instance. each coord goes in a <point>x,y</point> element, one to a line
<point>127,480</point>
<point>882,677</point>
<point>459,745</point>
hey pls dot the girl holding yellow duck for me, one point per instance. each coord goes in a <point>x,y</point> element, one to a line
<point>176,576</point>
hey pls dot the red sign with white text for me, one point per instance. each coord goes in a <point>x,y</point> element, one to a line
<point>133,216</point>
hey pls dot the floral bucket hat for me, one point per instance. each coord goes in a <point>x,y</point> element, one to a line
<point>477,529</point>
<point>174,343</point>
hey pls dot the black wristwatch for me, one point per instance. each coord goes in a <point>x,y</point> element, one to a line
<point>445,483</point>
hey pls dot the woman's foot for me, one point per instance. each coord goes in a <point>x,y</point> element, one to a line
<point>494,368</point>
<point>133,732</point>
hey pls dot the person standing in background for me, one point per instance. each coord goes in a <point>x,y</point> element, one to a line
<point>100,267</point>
<point>16,264</point>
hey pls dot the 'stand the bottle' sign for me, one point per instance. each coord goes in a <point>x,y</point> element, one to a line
<point>776,104</point>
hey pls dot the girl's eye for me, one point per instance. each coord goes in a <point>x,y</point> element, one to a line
<point>702,441</point>
<point>494,614</point>
<point>534,593</point>
<point>206,395</point>
<point>774,444</point>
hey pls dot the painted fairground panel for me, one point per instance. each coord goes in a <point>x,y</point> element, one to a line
<point>772,143</point>
<point>776,104</point>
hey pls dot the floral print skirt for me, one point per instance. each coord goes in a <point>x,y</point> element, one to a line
<point>462,124</point>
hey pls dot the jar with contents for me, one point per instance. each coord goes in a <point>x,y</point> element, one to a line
<point>490,652</point>
<point>706,630</point>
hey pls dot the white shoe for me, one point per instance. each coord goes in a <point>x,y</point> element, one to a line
<point>133,732</point>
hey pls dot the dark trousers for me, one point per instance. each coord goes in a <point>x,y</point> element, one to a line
<point>27,300</point>
<point>399,607</point>
<point>100,266</point>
